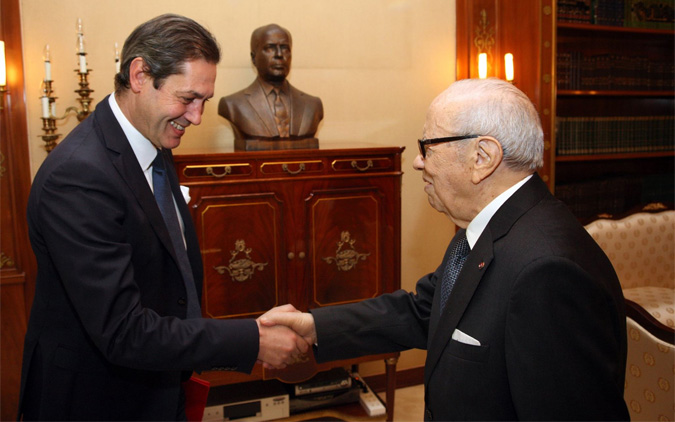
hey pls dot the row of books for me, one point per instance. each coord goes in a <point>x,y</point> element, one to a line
<point>579,71</point>
<point>619,194</point>
<point>655,14</point>
<point>612,135</point>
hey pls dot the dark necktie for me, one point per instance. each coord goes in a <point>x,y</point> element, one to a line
<point>456,260</point>
<point>280,114</point>
<point>164,199</point>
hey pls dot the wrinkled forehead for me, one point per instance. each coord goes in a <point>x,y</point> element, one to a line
<point>439,117</point>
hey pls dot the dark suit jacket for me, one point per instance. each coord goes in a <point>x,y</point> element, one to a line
<point>251,117</point>
<point>106,337</point>
<point>541,298</point>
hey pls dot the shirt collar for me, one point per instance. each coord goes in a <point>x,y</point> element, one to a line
<point>267,87</point>
<point>480,222</point>
<point>144,150</point>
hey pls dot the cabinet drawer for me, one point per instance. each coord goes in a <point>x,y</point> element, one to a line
<point>286,168</point>
<point>217,171</point>
<point>362,164</point>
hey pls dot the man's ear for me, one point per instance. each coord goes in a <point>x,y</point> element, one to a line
<point>137,74</point>
<point>488,156</point>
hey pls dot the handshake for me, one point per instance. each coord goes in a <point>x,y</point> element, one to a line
<point>285,336</point>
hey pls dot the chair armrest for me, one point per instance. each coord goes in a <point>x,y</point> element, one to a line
<point>651,324</point>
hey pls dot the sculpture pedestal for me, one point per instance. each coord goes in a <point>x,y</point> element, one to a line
<point>275,144</point>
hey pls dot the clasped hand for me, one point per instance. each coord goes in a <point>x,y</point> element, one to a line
<point>285,336</point>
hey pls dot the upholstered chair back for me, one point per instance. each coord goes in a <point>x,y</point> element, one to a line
<point>641,247</point>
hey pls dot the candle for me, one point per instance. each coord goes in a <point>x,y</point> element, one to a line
<point>508,66</point>
<point>45,106</point>
<point>53,108</point>
<point>80,47</point>
<point>48,64</point>
<point>83,63</point>
<point>482,65</point>
<point>117,59</point>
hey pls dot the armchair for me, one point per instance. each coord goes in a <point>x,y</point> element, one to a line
<point>641,247</point>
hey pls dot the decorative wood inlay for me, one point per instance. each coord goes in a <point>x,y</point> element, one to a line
<point>242,268</point>
<point>347,258</point>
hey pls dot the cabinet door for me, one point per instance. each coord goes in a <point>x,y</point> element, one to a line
<point>241,243</point>
<point>345,237</point>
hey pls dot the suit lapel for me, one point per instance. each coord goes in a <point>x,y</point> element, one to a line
<point>124,160</point>
<point>189,230</point>
<point>258,101</point>
<point>298,111</point>
<point>442,326</point>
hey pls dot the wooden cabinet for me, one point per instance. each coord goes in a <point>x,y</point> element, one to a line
<point>307,227</point>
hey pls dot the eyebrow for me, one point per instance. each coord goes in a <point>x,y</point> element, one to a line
<point>195,94</point>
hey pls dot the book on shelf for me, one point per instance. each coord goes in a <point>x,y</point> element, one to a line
<point>614,135</point>
<point>652,14</point>
<point>621,72</point>
<point>575,11</point>
<point>584,200</point>
<point>617,194</point>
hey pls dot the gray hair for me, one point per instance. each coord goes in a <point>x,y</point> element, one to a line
<point>494,108</point>
<point>165,43</point>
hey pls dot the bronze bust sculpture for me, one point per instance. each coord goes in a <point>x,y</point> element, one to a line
<point>270,113</point>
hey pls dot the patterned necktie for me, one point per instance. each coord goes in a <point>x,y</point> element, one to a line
<point>164,197</point>
<point>280,114</point>
<point>454,265</point>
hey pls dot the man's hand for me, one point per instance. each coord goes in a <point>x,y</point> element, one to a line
<point>301,323</point>
<point>279,345</point>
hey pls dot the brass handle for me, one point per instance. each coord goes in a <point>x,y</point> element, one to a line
<point>291,255</point>
<point>301,255</point>
<point>209,171</point>
<point>285,168</point>
<point>369,164</point>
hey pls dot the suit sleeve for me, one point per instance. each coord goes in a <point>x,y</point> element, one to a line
<point>558,309</point>
<point>388,323</point>
<point>86,229</point>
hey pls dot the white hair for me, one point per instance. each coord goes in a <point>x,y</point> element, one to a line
<point>496,108</point>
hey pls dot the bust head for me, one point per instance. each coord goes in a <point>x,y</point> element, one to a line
<point>271,53</point>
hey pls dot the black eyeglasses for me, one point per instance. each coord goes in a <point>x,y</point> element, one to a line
<point>423,143</point>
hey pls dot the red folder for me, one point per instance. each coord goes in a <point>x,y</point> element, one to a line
<point>196,392</point>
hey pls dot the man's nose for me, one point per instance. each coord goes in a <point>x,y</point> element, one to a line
<point>194,112</point>
<point>418,162</point>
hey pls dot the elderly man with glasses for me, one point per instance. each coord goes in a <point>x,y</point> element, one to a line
<point>524,318</point>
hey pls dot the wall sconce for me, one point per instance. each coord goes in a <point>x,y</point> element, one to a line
<point>3,75</point>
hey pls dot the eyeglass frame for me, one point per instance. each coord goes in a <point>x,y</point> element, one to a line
<point>423,143</point>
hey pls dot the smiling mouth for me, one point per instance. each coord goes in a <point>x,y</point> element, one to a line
<point>176,125</point>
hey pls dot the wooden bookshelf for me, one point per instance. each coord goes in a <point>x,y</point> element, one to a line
<point>531,30</point>
<point>606,182</point>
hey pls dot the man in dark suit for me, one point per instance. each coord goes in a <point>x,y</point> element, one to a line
<point>532,324</point>
<point>270,108</point>
<point>115,325</point>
